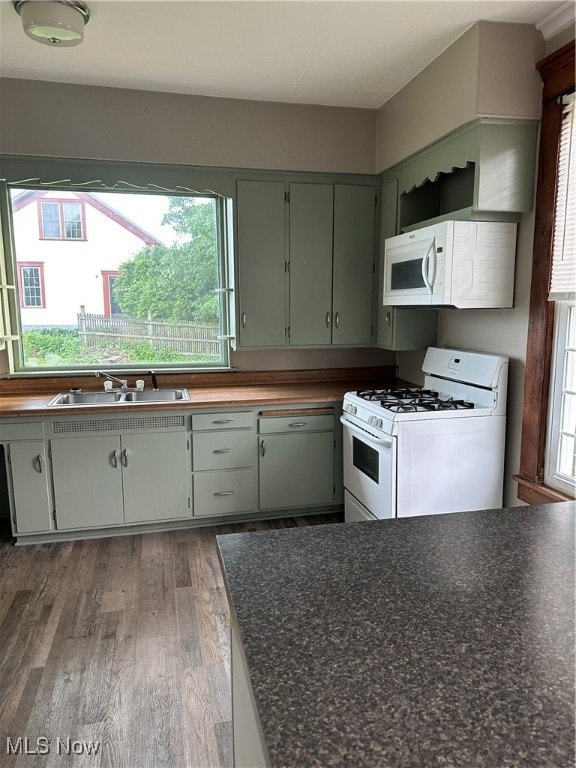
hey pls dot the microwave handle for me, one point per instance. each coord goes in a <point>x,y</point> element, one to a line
<point>428,280</point>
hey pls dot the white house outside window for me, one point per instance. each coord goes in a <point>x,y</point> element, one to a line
<point>32,285</point>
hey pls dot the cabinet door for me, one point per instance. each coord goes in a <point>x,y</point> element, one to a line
<point>354,208</point>
<point>261,209</point>
<point>30,491</point>
<point>296,470</point>
<point>311,233</point>
<point>87,478</point>
<point>155,469</point>
<point>388,216</point>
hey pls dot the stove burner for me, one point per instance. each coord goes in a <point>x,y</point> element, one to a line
<point>392,395</point>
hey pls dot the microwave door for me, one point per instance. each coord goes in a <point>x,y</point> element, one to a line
<point>410,272</point>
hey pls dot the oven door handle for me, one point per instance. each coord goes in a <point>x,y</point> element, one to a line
<point>364,435</point>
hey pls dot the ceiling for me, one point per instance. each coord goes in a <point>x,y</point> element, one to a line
<point>345,53</point>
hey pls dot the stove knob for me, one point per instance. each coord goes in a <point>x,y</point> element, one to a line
<point>351,409</point>
<point>378,423</point>
<point>371,420</point>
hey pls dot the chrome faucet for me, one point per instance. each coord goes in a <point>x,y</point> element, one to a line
<point>123,382</point>
<point>154,380</point>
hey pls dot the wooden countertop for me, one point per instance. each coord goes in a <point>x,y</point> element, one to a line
<point>250,389</point>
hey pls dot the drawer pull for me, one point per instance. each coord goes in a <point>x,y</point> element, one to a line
<point>223,421</point>
<point>262,448</point>
<point>125,457</point>
<point>298,424</point>
<point>223,450</point>
<point>114,458</point>
<point>223,493</point>
<point>39,463</point>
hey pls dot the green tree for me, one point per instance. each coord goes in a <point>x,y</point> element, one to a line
<point>175,282</point>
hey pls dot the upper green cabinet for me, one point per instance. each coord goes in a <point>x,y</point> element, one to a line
<point>261,232</point>
<point>483,171</point>
<point>331,264</point>
<point>305,264</point>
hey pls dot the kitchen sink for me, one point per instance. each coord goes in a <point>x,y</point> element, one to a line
<point>156,395</point>
<point>119,397</point>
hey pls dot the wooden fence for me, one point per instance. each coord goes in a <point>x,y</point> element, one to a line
<point>184,338</point>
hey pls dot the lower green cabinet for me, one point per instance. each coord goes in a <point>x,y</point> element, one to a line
<point>107,480</point>
<point>296,463</point>
<point>28,473</point>
<point>228,492</point>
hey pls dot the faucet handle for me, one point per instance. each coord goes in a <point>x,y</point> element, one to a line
<point>108,385</point>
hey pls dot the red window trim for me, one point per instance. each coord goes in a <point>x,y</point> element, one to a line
<point>40,266</point>
<point>106,288</point>
<point>60,201</point>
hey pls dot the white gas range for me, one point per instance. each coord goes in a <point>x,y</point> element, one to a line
<point>429,450</point>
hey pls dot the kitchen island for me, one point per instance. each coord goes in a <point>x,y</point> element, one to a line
<point>445,640</point>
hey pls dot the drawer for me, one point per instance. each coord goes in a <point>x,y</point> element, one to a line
<point>232,420</point>
<point>223,450</point>
<point>30,431</point>
<point>300,423</point>
<point>224,493</point>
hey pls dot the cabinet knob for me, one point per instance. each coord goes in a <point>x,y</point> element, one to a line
<point>223,493</point>
<point>223,450</point>
<point>388,319</point>
<point>328,319</point>
<point>243,319</point>
<point>114,458</point>
<point>125,457</point>
<point>262,448</point>
<point>337,320</point>
<point>39,463</point>
<point>298,424</point>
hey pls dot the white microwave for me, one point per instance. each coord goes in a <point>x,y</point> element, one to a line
<point>464,264</point>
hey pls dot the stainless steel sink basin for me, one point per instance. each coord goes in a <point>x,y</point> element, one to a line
<point>120,397</point>
<point>156,395</point>
<point>86,398</point>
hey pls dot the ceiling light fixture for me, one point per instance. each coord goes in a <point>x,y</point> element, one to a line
<point>59,23</point>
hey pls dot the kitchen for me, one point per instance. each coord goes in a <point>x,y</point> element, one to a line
<point>302,138</point>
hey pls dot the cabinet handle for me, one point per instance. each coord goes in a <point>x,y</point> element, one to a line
<point>39,463</point>
<point>262,448</point>
<point>328,319</point>
<point>223,450</point>
<point>114,458</point>
<point>125,457</point>
<point>337,319</point>
<point>298,424</point>
<point>388,319</point>
<point>223,421</point>
<point>223,493</point>
<point>243,319</point>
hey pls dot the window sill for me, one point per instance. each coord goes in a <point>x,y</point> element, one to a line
<point>537,493</point>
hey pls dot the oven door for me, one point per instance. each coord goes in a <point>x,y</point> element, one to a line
<point>370,469</point>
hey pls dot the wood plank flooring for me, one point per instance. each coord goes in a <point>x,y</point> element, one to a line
<point>122,643</point>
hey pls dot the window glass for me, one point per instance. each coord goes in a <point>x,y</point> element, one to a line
<point>142,289</point>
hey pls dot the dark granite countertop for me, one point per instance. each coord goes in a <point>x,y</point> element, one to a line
<point>434,641</point>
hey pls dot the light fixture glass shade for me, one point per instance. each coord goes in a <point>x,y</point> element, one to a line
<point>52,22</point>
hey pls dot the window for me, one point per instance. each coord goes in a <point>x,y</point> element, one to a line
<point>547,451</point>
<point>61,220</point>
<point>149,287</point>
<point>31,283</point>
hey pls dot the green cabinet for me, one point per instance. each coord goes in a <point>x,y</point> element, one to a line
<point>223,460</point>
<point>28,472</point>
<point>483,171</point>
<point>261,249</point>
<point>108,480</point>
<point>305,269</point>
<point>296,460</point>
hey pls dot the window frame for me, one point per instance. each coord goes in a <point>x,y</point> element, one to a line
<point>557,73</point>
<point>10,318</point>
<point>39,265</point>
<point>60,202</point>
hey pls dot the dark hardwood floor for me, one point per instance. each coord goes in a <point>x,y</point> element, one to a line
<point>122,643</point>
